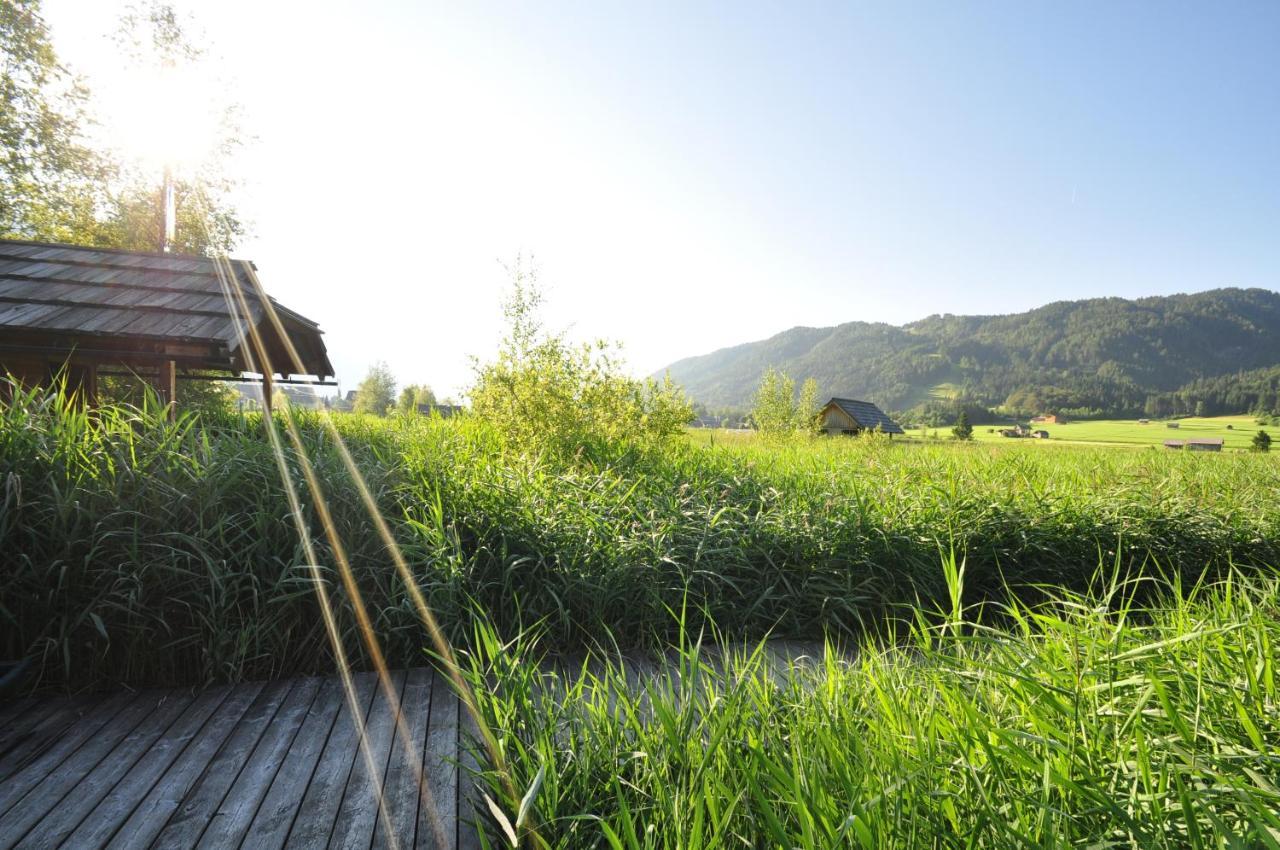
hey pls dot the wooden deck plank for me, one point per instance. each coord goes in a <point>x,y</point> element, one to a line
<point>31,774</point>
<point>56,717</point>
<point>438,812</point>
<point>270,827</point>
<point>16,716</point>
<point>253,766</point>
<point>95,785</point>
<point>403,785</point>
<point>359,810</point>
<point>470,804</point>
<point>36,803</point>
<point>231,820</point>
<point>314,822</point>
<point>151,815</point>
<point>189,819</point>
<point>11,708</point>
<point>105,819</point>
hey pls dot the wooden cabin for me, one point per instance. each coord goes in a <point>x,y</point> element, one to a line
<point>850,416</point>
<point>1196,444</point>
<point>80,313</point>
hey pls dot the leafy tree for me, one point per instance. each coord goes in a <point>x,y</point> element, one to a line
<point>806,418</point>
<point>413,395</point>
<point>550,394</point>
<point>776,412</point>
<point>157,42</point>
<point>51,182</point>
<point>773,408</point>
<point>376,393</point>
<point>963,429</point>
<point>1261,441</point>
<point>55,186</point>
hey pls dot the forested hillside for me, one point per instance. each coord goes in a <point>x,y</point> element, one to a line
<point>1105,356</point>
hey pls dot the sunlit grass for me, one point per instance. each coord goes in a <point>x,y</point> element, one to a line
<point>141,551</point>
<point>1085,720</point>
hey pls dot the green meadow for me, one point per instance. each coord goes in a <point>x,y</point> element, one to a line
<point>1024,646</point>
<point>1235,431</point>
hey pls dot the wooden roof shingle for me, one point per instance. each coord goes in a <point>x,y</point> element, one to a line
<point>867,415</point>
<point>73,296</point>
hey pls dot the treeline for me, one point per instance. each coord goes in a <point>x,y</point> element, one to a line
<point>1095,358</point>
<point>1256,391</point>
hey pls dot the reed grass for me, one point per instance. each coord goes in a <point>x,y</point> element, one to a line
<point>136,550</point>
<point>1084,720</point>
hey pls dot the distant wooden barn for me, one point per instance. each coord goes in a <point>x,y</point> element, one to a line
<point>445,411</point>
<point>850,416</point>
<point>1196,444</point>
<point>80,313</point>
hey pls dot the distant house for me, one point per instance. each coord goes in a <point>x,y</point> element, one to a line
<point>1144,421</point>
<point>445,410</point>
<point>850,416</point>
<point>1173,425</point>
<point>1041,434</point>
<point>344,402</point>
<point>705,422</point>
<point>1018,430</point>
<point>1196,444</point>
<point>1047,419</point>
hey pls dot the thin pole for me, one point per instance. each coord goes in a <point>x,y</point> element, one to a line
<point>170,213</point>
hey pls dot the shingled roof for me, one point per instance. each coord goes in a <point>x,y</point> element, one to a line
<point>866,414</point>
<point>136,307</point>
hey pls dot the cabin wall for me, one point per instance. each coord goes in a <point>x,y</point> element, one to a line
<point>836,421</point>
<point>81,375</point>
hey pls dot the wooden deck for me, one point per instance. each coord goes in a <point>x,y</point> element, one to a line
<point>261,765</point>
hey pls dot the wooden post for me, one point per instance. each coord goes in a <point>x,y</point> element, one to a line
<point>167,386</point>
<point>266,393</point>
<point>91,384</point>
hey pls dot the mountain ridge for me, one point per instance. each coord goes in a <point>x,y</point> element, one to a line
<point>1092,356</point>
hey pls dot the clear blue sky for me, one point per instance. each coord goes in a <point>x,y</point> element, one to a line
<point>691,176</point>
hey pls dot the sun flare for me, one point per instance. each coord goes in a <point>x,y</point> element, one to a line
<point>161,119</point>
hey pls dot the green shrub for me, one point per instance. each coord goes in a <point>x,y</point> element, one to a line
<point>548,394</point>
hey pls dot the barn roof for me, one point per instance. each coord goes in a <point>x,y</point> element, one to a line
<point>867,415</point>
<point>135,304</point>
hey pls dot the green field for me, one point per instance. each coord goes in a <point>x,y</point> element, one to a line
<point>1037,647</point>
<point>1236,431</point>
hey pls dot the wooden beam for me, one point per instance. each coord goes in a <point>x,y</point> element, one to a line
<point>268,387</point>
<point>167,386</point>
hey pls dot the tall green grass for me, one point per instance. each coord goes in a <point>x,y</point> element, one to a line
<point>143,551</point>
<point>1082,721</point>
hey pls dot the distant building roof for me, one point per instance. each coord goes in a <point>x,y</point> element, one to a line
<point>445,410</point>
<point>1205,441</point>
<point>135,306</point>
<point>866,414</point>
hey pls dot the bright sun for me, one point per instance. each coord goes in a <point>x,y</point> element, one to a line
<point>160,119</point>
